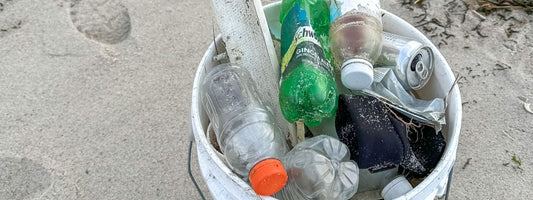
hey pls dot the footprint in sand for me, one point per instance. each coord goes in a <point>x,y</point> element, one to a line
<point>22,178</point>
<point>5,3</point>
<point>106,21</point>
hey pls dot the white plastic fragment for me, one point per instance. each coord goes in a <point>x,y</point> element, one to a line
<point>527,106</point>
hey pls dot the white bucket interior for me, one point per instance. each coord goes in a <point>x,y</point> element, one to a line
<point>223,184</point>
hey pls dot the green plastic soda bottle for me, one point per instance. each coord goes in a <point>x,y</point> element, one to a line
<point>308,90</point>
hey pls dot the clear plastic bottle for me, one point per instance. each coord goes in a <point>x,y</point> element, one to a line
<point>355,38</point>
<point>247,134</point>
<point>319,168</point>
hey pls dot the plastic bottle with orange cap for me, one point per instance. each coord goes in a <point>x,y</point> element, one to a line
<point>246,132</point>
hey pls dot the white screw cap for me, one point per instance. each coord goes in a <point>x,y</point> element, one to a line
<point>396,188</point>
<point>357,74</point>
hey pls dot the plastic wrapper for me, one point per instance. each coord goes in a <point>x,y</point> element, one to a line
<point>387,88</point>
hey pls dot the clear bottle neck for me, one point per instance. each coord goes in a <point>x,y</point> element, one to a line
<point>341,7</point>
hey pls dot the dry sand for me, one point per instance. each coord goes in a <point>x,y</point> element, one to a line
<point>93,110</point>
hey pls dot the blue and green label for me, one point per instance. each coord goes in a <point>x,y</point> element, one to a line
<point>300,44</point>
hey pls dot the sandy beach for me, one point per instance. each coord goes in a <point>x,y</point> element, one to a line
<point>95,96</point>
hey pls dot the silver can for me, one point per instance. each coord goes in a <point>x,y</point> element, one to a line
<point>412,62</point>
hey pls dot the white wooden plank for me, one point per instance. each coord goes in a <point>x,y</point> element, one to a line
<point>244,29</point>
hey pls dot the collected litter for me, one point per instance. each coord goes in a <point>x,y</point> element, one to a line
<point>319,168</point>
<point>377,139</point>
<point>411,61</point>
<point>307,90</point>
<point>387,88</point>
<point>406,65</point>
<point>355,56</point>
<point>246,132</point>
<point>366,131</point>
<point>390,182</point>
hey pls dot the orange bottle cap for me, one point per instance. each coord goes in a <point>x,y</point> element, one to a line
<point>268,177</point>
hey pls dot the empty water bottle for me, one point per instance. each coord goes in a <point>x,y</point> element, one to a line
<point>355,38</point>
<point>319,168</point>
<point>247,134</point>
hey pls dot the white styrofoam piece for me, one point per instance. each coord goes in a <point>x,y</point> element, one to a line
<point>244,30</point>
<point>224,184</point>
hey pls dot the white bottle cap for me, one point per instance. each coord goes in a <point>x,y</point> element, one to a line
<point>396,188</point>
<point>357,74</point>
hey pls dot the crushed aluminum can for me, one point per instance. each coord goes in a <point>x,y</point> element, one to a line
<point>411,61</point>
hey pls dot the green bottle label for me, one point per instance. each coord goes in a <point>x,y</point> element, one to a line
<point>305,48</point>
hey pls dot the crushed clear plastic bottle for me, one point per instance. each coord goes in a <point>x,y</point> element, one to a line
<point>246,132</point>
<point>319,168</point>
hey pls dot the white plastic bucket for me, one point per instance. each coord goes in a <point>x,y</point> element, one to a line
<point>224,184</point>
